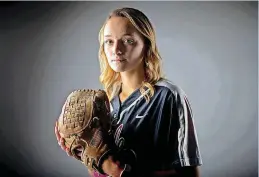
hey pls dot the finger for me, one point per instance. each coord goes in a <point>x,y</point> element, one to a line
<point>68,152</point>
<point>63,108</point>
<point>63,147</point>
<point>62,143</point>
<point>56,132</point>
<point>59,138</point>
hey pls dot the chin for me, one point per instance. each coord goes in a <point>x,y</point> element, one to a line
<point>118,69</point>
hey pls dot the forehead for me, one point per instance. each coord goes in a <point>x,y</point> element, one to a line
<point>117,26</point>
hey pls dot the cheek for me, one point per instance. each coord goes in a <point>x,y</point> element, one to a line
<point>108,52</point>
<point>135,53</point>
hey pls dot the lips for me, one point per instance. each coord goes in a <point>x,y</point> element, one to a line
<point>118,60</point>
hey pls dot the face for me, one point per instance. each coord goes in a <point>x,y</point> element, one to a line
<point>123,45</point>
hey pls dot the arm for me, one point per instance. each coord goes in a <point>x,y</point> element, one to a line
<point>177,134</point>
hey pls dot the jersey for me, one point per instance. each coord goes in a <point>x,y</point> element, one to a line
<point>161,132</point>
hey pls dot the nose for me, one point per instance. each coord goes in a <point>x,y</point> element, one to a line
<point>118,48</point>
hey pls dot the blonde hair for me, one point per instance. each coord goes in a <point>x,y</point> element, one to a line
<point>109,78</point>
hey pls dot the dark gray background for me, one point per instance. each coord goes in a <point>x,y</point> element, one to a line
<point>50,48</point>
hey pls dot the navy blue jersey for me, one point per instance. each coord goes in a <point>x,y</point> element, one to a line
<point>160,132</point>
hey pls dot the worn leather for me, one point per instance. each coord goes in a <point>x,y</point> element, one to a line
<point>85,123</point>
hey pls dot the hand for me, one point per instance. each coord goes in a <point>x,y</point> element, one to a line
<point>112,168</point>
<point>61,141</point>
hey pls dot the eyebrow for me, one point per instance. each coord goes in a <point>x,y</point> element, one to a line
<point>128,34</point>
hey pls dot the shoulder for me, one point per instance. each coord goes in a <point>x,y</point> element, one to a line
<point>174,94</point>
<point>169,88</point>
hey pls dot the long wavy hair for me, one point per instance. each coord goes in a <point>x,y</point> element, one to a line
<point>109,78</point>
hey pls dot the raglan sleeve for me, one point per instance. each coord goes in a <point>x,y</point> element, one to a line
<point>182,141</point>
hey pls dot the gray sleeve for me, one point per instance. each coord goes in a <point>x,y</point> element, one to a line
<point>185,141</point>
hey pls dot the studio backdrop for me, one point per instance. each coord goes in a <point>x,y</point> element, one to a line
<point>49,49</point>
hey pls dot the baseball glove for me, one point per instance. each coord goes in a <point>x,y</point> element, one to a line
<point>85,123</point>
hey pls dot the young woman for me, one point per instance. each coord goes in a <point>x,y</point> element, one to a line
<point>152,115</point>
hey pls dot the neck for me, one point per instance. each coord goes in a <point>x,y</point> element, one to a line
<point>131,80</point>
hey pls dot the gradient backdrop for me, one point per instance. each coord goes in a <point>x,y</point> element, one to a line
<point>49,49</point>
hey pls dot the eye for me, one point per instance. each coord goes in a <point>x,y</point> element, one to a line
<point>129,41</point>
<point>108,42</point>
